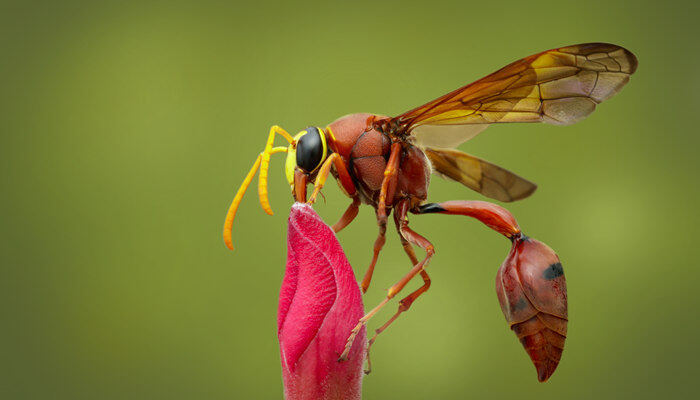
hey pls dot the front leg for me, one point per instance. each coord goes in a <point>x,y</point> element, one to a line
<point>346,182</point>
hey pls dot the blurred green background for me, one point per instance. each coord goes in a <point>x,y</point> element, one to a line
<point>127,126</point>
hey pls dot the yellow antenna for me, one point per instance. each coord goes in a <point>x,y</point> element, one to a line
<point>265,164</point>
<point>263,161</point>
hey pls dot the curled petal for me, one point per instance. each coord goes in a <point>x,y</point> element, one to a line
<point>319,304</point>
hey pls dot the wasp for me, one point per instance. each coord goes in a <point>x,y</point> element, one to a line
<point>386,162</point>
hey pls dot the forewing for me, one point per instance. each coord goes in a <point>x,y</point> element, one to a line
<point>559,86</point>
<point>488,179</point>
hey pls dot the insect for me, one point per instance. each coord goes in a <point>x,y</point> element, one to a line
<point>386,162</point>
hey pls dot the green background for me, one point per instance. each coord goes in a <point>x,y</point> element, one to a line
<point>127,126</point>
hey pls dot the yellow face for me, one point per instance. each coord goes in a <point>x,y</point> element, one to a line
<point>308,152</point>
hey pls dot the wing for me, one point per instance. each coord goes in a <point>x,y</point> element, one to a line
<point>479,175</point>
<point>445,136</point>
<point>559,86</point>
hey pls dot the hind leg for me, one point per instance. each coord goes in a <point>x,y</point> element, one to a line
<point>413,238</point>
<point>405,303</point>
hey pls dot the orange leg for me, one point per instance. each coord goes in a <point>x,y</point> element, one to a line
<point>343,176</point>
<point>378,245</point>
<point>405,303</point>
<point>418,240</point>
<point>348,216</point>
<point>322,176</point>
<point>347,185</point>
<point>386,192</point>
<point>300,181</point>
<point>492,215</point>
<point>389,182</point>
<point>346,181</point>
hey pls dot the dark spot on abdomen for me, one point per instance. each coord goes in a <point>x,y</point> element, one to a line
<point>553,271</point>
<point>521,304</point>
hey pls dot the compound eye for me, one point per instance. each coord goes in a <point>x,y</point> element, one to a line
<point>310,150</point>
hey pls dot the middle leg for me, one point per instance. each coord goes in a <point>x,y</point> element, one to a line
<point>348,216</point>
<point>386,195</point>
<point>413,238</point>
<point>378,245</point>
<point>400,213</point>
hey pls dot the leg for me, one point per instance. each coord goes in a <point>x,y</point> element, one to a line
<point>343,176</point>
<point>494,216</point>
<point>322,176</point>
<point>378,245</point>
<point>386,192</point>
<point>300,182</point>
<point>347,185</point>
<point>400,218</point>
<point>391,173</point>
<point>348,215</point>
<point>346,181</point>
<point>418,240</point>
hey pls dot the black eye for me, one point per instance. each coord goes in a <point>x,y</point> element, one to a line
<point>310,150</point>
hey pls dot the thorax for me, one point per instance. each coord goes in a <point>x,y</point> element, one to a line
<point>366,151</point>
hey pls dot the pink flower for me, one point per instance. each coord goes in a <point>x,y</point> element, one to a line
<point>319,304</point>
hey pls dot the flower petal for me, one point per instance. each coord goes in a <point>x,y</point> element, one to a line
<point>320,302</point>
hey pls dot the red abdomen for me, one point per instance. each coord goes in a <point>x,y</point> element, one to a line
<point>532,291</point>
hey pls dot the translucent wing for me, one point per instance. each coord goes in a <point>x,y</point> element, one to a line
<point>479,175</point>
<point>559,86</point>
<point>445,136</point>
